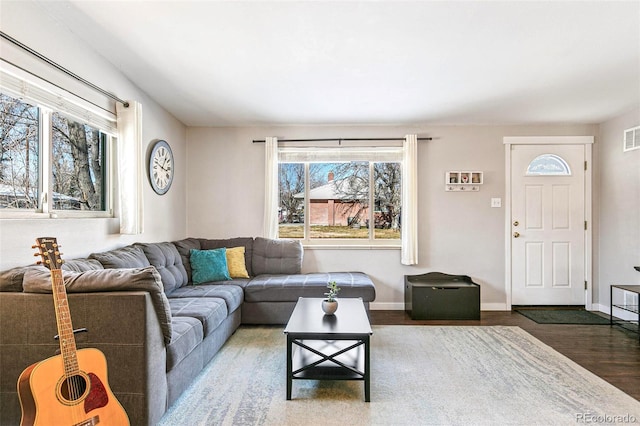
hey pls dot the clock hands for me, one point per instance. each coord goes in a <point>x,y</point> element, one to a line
<point>162,179</point>
<point>162,166</point>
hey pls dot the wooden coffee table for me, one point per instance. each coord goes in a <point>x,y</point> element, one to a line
<point>328,347</point>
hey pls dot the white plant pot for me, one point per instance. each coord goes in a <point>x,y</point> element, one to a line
<point>329,308</point>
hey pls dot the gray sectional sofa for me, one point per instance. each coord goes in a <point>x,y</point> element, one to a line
<point>157,329</point>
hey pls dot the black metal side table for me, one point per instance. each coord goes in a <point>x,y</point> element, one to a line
<point>625,307</point>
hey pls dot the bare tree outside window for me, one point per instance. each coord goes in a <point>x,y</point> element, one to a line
<point>77,172</point>
<point>77,166</point>
<point>19,155</point>
<point>388,199</point>
<point>291,210</point>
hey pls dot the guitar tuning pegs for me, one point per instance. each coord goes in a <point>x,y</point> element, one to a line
<point>39,262</point>
<point>34,246</point>
<point>36,254</point>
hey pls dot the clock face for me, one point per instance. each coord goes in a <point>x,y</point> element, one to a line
<point>161,167</point>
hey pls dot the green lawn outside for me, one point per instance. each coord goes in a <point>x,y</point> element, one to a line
<point>321,231</point>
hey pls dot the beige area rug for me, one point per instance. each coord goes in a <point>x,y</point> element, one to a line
<point>421,375</point>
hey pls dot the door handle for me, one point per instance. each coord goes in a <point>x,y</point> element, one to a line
<point>516,234</point>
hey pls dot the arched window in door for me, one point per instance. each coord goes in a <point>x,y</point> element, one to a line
<point>548,165</point>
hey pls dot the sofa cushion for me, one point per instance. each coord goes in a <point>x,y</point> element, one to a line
<point>124,257</point>
<point>246,242</point>
<point>184,247</point>
<point>11,279</point>
<point>209,265</point>
<point>210,311</point>
<point>38,280</point>
<point>287,288</point>
<point>167,260</point>
<point>236,263</point>
<point>186,336</point>
<point>231,294</point>
<point>276,256</point>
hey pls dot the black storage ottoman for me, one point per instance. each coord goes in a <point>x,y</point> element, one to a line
<point>439,296</point>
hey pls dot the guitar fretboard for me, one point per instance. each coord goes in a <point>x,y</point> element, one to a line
<point>65,328</point>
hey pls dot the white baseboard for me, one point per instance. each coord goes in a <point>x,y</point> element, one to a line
<point>618,313</point>
<point>493,307</point>
<point>385,306</point>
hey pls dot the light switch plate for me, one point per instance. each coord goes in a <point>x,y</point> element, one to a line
<point>496,202</point>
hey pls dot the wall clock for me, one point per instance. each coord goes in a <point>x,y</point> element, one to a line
<point>161,167</point>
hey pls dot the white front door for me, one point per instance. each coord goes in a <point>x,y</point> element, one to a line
<point>548,224</point>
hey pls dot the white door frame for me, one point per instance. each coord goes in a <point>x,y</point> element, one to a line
<point>587,141</point>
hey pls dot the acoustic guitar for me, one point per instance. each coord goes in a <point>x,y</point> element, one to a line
<point>70,388</point>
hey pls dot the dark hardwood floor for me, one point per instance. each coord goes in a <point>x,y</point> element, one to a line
<point>611,353</point>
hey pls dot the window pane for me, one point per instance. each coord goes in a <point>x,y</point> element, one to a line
<point>78,165</point>
<point>19,155</point>
<point>291,193</point>
<point>548,165</point>
<point>388,200</point>
<point>339,200</point>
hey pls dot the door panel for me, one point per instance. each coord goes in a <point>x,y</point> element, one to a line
<point>561,264</point>
<point>534,273</point>
<point>548,242</point>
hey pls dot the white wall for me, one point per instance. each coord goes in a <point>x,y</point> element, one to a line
<point>459,232</point>
<point>164,217</point>
<point>618,244</point>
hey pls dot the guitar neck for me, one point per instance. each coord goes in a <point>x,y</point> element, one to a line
<point>63,319</point>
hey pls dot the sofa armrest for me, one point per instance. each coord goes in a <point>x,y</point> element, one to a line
<point>123,325</point>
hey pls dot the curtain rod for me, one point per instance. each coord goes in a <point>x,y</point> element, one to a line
<point>61,68</point>
<point>340,140</point>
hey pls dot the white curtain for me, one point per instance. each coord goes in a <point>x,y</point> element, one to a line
<point>409,217</point>
<point>131,167</point>
<point>271,188</point>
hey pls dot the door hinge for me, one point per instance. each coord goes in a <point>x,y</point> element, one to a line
<point>585,285</point>
<point>585,165</point>
<point>585,225</point>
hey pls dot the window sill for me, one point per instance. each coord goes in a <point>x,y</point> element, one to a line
<point>350,247</point>
<point>25,215</point>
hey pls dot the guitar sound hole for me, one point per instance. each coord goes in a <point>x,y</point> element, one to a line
<point>73,387</point>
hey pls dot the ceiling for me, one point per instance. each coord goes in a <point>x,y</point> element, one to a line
<point>239,63</point>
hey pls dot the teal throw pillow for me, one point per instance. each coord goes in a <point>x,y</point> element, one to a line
<point>209,265</point>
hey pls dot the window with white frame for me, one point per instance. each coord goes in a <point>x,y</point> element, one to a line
<point>340,196</point>
<point>55,157</point>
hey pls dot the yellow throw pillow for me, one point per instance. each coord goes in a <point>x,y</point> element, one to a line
<point>236,264</point>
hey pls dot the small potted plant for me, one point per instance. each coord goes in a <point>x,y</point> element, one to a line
<point>330,304</point>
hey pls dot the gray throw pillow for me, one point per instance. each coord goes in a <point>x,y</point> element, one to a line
<point>11,279</point>
<point>38,280</point>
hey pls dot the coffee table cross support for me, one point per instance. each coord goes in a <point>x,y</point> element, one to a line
<point>331,358</point>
